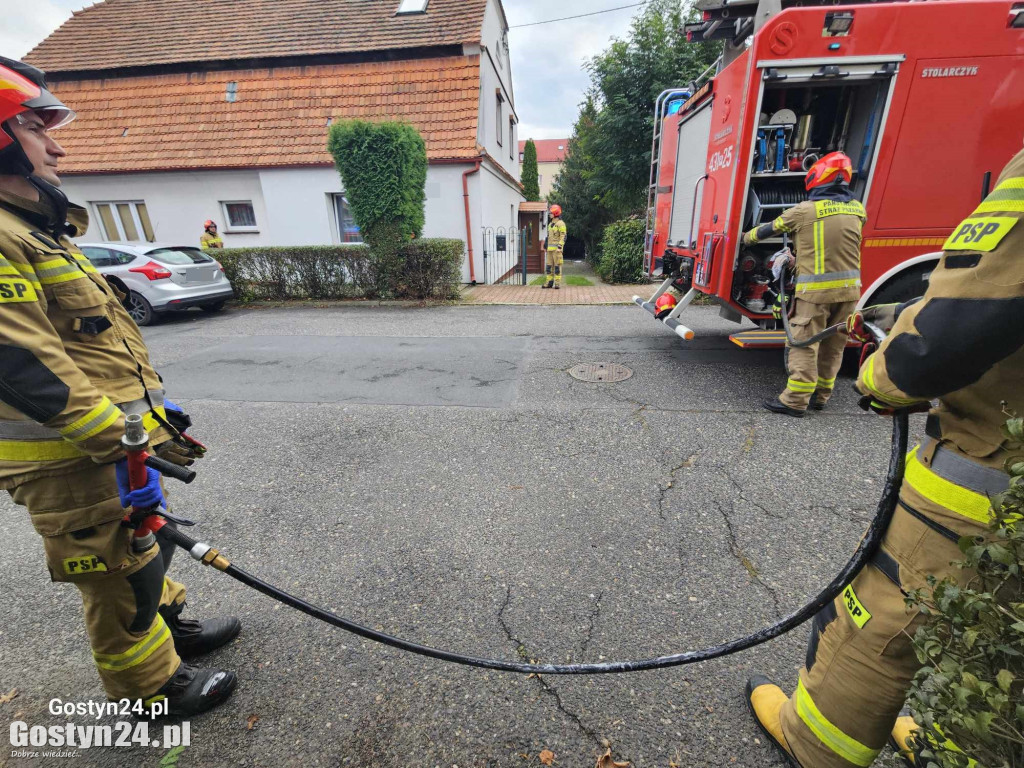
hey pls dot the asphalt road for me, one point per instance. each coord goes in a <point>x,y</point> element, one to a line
<point>437,474</point>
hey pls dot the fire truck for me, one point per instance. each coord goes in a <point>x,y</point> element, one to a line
<point>927,99</point>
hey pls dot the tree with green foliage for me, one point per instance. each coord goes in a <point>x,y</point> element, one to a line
<point>529,177</point>
<point>575,188</point>
<point>968,699</point>
<point>608,181</point>
<point>383,167</point>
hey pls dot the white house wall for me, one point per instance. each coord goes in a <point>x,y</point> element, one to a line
<point>292,205</point>
<point>495,77</point>
<point>177,203</point>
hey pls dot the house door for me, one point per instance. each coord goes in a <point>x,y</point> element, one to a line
<point>531,222</point>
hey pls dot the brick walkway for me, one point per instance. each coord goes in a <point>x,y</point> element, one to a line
<point>572,294</point>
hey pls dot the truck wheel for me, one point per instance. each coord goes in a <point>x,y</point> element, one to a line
<point>140,309</point>
<point>905,286</point>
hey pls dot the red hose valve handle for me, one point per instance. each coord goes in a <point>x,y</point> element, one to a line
<point>135,442</point>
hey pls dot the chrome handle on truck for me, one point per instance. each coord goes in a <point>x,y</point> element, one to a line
<point>691,243</point>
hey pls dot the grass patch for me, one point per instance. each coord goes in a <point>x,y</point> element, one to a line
<point>566,280</point>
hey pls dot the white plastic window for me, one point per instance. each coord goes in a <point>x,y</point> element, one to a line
<point>125,221</point>
<point>239,215</point>
<point>412,6</point>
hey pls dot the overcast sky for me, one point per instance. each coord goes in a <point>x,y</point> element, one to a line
<point>547,59</point>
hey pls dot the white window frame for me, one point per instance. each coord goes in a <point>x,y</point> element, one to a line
<point>337,236</point>
<point>228,227</point>
<point>501,114</point>
<point>121,234</point>
<point>411,6</point>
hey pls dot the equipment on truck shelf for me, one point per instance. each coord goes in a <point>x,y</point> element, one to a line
<point>799,81</point>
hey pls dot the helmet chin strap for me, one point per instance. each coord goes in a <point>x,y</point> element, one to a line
<point>58,220</point>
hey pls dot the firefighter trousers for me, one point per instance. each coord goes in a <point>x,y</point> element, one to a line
<point>79,517</point>
<point>812,370</point>
<point>554,265</point>
<point>860,659</point>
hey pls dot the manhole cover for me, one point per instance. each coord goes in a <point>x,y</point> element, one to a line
<point>603,372</point>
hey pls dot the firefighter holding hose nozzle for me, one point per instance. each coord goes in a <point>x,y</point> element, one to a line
<point>963,344</point>
<point>73,365</point>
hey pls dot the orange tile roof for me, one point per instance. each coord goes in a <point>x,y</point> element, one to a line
<point>183,121</point>
<point>549,150</point>
<point>138,33</point>
<point>533,207</point>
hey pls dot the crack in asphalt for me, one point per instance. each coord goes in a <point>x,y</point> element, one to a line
<point>737,552</point>
<point>545,686</point>
<point>595,614</point>
<point>670,483</point>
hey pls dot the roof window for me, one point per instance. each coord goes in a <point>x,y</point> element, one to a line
<point>412,6</point>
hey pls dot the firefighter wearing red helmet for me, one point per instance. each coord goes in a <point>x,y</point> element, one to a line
<point>210,239</point>
<point>555,245</point>
<point>72,365</point>
<point>826,231</point>
<point>962,344</point>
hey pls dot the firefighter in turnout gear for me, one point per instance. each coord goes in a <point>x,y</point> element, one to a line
<point>72,364</point>
<point>826,230</point>
<point>556,243</point>
<point>210,239</point>
<point>963,344</point>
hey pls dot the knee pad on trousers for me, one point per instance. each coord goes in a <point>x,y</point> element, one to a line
<point>558,270</point>
<point>822,619</point>
<point>547,269</point>
<point>147,585</point>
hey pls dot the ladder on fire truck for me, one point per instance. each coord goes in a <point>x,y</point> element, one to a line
<point>661,106</point>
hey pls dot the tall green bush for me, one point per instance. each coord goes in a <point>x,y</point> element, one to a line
<point>622,252</point>
<point>529,176</point>
<point>384,169</point>
<point>968,698</point>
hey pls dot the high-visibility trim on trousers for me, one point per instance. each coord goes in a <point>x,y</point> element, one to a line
<point>801,386</point>
<point>826,383</point>
<point>964,501</point>
<point>845,746</point>
<point>159,633</point>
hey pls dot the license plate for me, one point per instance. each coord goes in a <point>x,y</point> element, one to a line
<point>203,275</point>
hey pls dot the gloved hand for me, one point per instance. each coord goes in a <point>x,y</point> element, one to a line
<point>147,497</point>
<point>780,261</point>
<point>881,315</point>
<point>185,449</point>
<point>869,403</point>
<point>778,308</point>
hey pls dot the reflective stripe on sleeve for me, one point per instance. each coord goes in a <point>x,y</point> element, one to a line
<point>867,378</point>
<point>94,422</point>
<point>1008,196</point>
<point>846,747</point>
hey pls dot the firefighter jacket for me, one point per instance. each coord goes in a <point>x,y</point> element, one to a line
<point>964,342</point>
<point>208,241</point>
<point>556,235</point>
<point>72,361</point>
<point>826,237</point>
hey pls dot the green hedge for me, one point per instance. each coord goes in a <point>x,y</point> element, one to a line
<point>622,252</point>
<point>430,269</point>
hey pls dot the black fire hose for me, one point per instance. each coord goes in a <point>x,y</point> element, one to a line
<point>832,330</point>
<point>865,551</point>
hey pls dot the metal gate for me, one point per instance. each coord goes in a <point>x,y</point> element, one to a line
<point>504,255</point>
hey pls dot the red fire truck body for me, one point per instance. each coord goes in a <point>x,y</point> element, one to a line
<point>927,98</point>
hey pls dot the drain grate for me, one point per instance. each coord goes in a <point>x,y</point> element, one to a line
<point>606,373</point>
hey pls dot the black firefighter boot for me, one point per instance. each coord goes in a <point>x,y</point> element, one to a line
<point>194,638</point>
<point>192,691</point>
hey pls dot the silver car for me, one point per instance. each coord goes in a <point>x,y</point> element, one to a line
<point>161,277</point>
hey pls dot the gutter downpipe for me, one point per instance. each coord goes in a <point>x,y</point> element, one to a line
<point>469,225</point>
